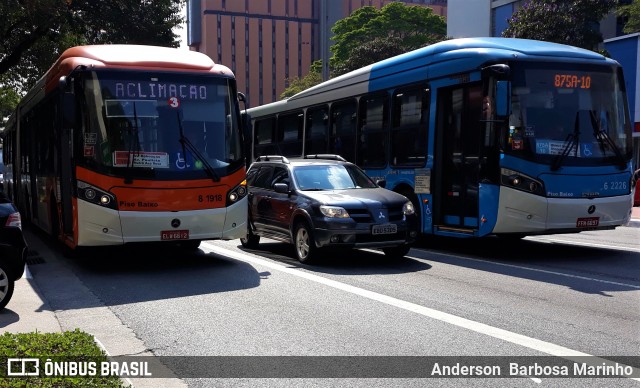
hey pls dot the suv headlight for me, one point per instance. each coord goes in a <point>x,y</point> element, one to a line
<point>334,211</point>
<point>408,209</point>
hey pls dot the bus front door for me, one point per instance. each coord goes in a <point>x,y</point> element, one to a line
<point>457,159</point>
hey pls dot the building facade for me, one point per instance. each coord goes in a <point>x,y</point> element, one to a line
<point>268,42</point>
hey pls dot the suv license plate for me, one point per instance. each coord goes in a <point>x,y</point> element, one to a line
<point>174,235</point>
<point>587,222</point>
<point>384,229</point>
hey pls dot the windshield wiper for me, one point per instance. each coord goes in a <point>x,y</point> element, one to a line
<point>188,144</point>
<point>571,140</point>
<point>604,139</point>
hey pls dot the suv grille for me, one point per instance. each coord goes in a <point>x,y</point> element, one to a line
<point>365,217</point>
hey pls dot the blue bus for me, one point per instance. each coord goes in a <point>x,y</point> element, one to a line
<point>487,136</point>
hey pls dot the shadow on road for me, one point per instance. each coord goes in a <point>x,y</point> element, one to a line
<point>123,275</point>
<point>585,269</point>
<point>341,262</point>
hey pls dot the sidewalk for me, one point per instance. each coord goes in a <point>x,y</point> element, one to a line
<point>28,310</point>
<point>68,305</point>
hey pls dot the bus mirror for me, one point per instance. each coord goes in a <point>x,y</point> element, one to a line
<point>242,97</point>
<point>503,98</point>
<point>68,110</point>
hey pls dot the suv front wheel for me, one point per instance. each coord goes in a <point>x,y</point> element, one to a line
<point>304,243</point>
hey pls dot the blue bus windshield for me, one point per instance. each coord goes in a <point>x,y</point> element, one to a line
<point>579,111</point>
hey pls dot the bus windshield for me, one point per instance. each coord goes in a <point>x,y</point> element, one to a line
<point>135,124</point>
<point>568,115</point>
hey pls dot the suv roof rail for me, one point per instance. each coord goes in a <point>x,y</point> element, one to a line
<point>325,156</point>
<point>267,158</point>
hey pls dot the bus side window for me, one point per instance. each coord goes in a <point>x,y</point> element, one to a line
<point>374,124</point>
<point>317,128</point>
<point>410,122</point>
<point>343,129</point>
<point>290,133</point>
<point>264,137</point>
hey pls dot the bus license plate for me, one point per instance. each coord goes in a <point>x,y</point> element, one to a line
<point>587,222</point>
<point>384,229</point>
<point>174,235</point>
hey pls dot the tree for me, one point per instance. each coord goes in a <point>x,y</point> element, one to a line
<point>35,32</point>
<point>370,52</point>
<point>296,85</point>
<point>572,22</point>
<point>632,13</point>
<point>396,23</point>
<point>370,35</point>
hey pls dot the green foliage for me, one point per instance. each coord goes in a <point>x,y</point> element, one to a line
<point>9,99</point>
<point>632,13</point>
<point>397,26</point>
<point>35,32</point>
<point>296,85</point>
<point>572,22</point>
<point>370,52</point>
<point>74,345</point>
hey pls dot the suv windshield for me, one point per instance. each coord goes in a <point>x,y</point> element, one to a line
<point>569,115</point>
<point>331,177</point>
<point>133,123</point>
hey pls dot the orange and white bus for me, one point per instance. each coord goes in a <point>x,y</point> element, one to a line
<point>121,144</point>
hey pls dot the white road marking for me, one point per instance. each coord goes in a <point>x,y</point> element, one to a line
<point>551,240</point>
<point>502,334</point>
<point>525,268</point>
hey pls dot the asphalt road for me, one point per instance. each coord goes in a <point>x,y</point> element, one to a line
<point>568,295</point>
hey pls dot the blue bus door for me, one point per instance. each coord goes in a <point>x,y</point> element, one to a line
<point>457,159</point>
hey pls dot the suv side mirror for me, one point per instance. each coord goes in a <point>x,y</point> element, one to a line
<point>282,188</point>
<point>382,183</point>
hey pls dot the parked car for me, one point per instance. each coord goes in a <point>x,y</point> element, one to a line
<point>13,249</point>
<point>323,201</point>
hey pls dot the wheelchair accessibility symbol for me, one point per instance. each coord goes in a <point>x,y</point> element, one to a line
<point>586,150</point>
<point>181,163</point>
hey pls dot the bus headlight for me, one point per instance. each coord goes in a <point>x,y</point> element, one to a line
<point>237,193</point>
<point>519,181</point>
<point>92,194</point>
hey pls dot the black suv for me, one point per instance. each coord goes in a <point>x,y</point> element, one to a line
<point>13,249</point>
<point>325,201</point>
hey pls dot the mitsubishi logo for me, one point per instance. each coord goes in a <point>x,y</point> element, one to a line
<point>381,216</point>
<point>591,209</point>
<point>175,222</point>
